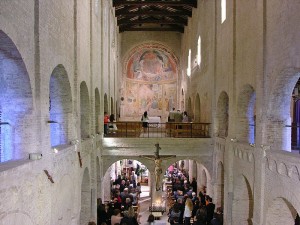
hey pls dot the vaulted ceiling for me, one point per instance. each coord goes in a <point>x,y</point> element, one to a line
<point>153,15</point>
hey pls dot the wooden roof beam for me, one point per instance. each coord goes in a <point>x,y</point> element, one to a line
<point>136,22</point>
<point>178,29</point>
<point>152,13</point>
<point>192,3</point>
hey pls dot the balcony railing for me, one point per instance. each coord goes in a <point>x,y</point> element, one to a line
<point>159,130</point>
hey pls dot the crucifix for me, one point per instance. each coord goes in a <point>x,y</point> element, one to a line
<point>158,161</point>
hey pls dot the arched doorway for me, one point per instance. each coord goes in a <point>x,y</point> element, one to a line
<point>60,106</point>
<point>86,208</point>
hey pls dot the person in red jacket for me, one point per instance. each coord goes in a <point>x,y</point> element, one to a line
<point>106,121</point>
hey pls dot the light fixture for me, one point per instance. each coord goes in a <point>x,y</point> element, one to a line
<point>233,140</point>
<point>55,150</point>
<point>35,156</point>
<point>252,144</point>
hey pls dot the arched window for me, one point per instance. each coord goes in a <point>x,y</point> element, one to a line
<point>223,10</point>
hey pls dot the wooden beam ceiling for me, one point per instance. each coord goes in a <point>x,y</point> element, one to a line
<point>153,15</point>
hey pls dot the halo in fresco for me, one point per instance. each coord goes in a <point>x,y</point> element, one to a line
<point>151,63</point>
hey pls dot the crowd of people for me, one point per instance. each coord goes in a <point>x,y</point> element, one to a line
<point>122,209</point>
<point>189,208</point>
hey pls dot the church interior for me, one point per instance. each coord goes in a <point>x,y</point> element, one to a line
<point>94,89</point>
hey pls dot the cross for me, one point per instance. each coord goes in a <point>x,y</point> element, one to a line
<point>157,160</point>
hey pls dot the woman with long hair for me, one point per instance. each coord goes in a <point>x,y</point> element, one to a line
<point>188,211</point>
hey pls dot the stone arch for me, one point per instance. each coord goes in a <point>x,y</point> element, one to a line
<point>279,109</point>
<point>16,218</point>
<point>113,168</point>
<point>190,109</point>
<point>60,106</point>
<point>280,212</point>
<point>222,115</point>
<point>220,185</point>
<point>84,111</point>
<point>105,103</point>
<point>85,211</point>
<point>98,178</point>
<point>197,109</point>
<point>242,206</point>
<point>203,179</point>
<point>64,202</point>
<point>245,131</point>
<point>15,118</point>
<point>97,111</point>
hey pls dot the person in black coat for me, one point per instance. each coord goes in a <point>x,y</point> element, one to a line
<point>210,208</point>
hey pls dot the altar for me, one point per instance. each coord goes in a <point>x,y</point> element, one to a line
<point>154,121</point>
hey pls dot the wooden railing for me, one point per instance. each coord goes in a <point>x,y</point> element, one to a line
<point>162,130</point>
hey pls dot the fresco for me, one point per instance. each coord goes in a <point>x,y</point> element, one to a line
<point>150,81</point>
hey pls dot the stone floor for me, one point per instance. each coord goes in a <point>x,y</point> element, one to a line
<point>145,202</point>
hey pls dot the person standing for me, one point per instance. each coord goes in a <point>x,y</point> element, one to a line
<point>185,118</point>
<point>106,121</point>
<point>188,211</point>
<point>145,120</point>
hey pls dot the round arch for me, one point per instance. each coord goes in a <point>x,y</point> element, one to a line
<point>85,211</point>
<point>84,111</point>
<point>280,212</point>
<point>242,206</point>
<point>222,115</point>
<point>60,106</point>
<point>279,109</point>
<point>245,131</point>
<point>16,118</point>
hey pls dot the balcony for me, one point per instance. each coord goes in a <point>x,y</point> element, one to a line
<point>132,129</point>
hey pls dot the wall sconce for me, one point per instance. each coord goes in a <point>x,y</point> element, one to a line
<point>252,145</point>
<point>55,150</point>
<point>35,156</point>
<point>49,177</point>
<point>80,159</point>
<point>93,136</point>
<point>233,140</point>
